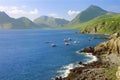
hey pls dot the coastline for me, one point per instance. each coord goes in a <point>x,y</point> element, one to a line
<point>97,69</point>
<point>65,70</point>
<point>90,55</point>
<point>104,68</point>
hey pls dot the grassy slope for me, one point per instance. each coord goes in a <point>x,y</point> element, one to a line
<point>103,24</point>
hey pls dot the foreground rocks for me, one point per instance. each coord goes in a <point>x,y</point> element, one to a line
<point>106,68</point>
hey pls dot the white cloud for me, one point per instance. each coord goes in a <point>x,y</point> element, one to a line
<point>18,10</point>
<point>72,12</point>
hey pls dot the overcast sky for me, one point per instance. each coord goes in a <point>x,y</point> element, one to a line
<point>67,9</point>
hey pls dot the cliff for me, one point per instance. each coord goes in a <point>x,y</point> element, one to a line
<point>109,47</point>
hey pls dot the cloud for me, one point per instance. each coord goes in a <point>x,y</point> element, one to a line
<point>72,12</point>
<point>18,10</point>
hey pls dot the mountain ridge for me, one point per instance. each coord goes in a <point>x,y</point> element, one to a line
<point>7,22</point>
<point>50,21</point>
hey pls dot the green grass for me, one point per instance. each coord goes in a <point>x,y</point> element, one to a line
<point>104,24</point>
<point>111,72</point>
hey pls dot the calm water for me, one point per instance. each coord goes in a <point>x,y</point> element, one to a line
<point>24,55</point>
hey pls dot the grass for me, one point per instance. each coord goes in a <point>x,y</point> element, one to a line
<point>103,24</point>
<point>111,72</point>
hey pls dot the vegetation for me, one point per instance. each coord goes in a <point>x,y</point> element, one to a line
<point>107,25</point>
<point>110,72</point>
<point>96,20</point>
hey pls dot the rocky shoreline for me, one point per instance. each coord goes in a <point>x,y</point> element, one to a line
<point>106,68</point>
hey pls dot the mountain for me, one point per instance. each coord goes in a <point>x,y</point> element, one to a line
<point>7,22</point>
<point>96,20</point>
<point>4,18</point>
<point>24,23</point>
<point>43,22</point>
<point>50,22</point>
<point>88,14</point>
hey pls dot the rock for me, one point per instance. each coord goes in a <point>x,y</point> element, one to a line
<point>111,46</point>
<point>115,35</point>
<point>58,78</point>
<point>80,63</point>
<point>88,50</point>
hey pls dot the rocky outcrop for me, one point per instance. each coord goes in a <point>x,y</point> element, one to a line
<point>111,46</point>
<point>115,35</point>
<point>88,50</point>
<point>94,70</point>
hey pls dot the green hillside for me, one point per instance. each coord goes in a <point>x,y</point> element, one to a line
<point>88,14</point>
<point>104,24</point>
<point>96,20</point>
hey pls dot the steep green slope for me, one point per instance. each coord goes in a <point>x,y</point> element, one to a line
<point>104,24</point>
<point>88,14</point>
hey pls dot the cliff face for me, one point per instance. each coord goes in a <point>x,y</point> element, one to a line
<point>111,46</point>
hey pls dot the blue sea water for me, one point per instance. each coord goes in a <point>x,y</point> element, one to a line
<point>24,55</point>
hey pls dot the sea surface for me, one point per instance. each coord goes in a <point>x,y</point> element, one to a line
<point>28,54</point>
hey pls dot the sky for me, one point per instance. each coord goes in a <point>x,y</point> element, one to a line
<point>66,9</point>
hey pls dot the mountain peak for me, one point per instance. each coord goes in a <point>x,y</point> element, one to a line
<point>2,13</point>
<point>90,13</point>
<point>94,7</point>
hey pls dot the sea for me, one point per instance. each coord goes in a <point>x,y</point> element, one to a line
<point>28,54</point>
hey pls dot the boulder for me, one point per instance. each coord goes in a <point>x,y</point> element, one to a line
<point>88,50</point>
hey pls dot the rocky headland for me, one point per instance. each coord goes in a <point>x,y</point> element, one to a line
<point>107,66</point>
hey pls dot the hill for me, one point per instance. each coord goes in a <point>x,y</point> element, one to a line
<point>104,24</point>
<point>95,20</point>
<point>88,14</point>
<point>43,22</point>
<point>7,22</point>
<point>50,22</point>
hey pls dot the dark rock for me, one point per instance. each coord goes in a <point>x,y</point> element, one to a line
<point>80,63</point>
<point>88,50</point>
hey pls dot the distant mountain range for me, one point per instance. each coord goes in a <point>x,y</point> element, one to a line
<point>43,22</point>
<point>50,22</point>
<point>7,22</point>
